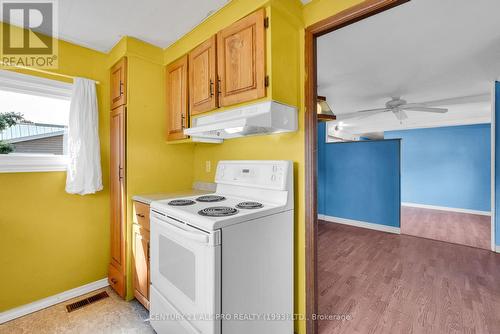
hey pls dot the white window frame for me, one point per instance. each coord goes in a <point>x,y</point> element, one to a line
<point>29,84</point>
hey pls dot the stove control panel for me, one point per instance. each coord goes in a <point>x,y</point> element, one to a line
<point>259,174</point>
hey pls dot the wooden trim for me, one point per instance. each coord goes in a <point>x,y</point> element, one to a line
<point>310,183</point>
<point>351,15</point>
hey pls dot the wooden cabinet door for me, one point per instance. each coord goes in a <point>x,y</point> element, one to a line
<point>141,274</point>
<point>241,60</point>
<point>117,193</point>
<point>203,77</point>
<point>177,98</point>
<point>141,214</point>
<point>119,84</point>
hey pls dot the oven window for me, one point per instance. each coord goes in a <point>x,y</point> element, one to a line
<point>178,266</point>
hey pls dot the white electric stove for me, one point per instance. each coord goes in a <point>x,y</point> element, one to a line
<point>223,262</point>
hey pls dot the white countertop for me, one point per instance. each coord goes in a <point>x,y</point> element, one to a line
<point>199,188</point>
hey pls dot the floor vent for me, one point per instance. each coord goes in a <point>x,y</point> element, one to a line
<point>87,301</point>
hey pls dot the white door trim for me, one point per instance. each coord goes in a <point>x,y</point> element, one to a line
<point>52,300</point>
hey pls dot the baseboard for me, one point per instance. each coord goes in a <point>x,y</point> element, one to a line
<point>445,208</point>
<point>52,300</point>
<point>497,249</point>
<point>358,223</point>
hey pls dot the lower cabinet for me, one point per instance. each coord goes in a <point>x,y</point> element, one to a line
<point>140,259</point>
<point>116,280</point>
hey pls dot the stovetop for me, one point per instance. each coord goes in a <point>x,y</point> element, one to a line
<point>218,211</point>
<point>216,208</point>
<point>249,205</point>
<point>181,202</point>
<point>210,198</point>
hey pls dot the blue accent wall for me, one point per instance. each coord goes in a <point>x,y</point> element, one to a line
<point>321,167</point>
<point>497,163</point>
<point>446,166</point>
<point>359,180</point>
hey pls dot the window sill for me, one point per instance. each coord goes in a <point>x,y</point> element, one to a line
<point>23,163</point>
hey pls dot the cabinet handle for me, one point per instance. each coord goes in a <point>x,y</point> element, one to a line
<point>121,88</point>
<point>182,121</point>
<point>140,215</point>
<point>149,251</point>
<point>113,280</point>
<point>218,86</point>
<point>211,87</point>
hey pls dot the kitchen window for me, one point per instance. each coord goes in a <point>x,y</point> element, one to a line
<point>34,114</point>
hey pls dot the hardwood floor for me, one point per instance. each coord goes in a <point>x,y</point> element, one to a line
<point>455,227</point>
<point>388,283</point>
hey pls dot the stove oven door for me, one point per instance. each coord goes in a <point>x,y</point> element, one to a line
<point>185,277</point>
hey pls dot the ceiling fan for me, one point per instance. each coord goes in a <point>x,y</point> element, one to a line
<point>396,106</point>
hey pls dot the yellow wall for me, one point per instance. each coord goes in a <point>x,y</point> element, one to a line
<point>283,46</point>
<point>153,165</point>
<point>285,65</point>
<point>51,241</point>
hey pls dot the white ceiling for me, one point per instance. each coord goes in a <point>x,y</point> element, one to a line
<point>99,24</point>
<point>423,50</point>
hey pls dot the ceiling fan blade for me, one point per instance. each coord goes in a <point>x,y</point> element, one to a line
<point>460,100</point>
<point>425,109</point>
<point>370,110</point>
<point>359,115</point>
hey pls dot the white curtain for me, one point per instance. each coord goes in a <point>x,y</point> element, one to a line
<point>84,174</point>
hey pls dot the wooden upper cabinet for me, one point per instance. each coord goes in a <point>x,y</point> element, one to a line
<point>119,84</point>
<point>241,60</point>
<point>203,77</point>
<point>177,98</point>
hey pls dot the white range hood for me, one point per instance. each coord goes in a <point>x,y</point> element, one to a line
<point>256,119</point>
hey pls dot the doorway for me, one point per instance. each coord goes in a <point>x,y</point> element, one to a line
<point>341,20</point>
<point>344,18</point>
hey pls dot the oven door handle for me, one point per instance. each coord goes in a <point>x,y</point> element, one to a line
<point>191,235</point>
